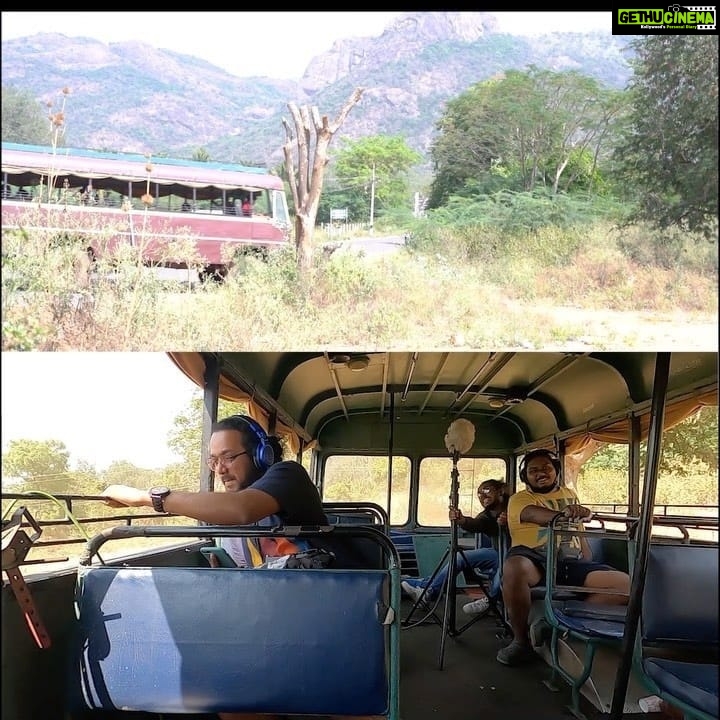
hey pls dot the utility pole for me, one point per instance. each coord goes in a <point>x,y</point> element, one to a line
<point>372,200</point>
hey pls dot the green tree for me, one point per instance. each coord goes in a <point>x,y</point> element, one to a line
<point>40,464</point>
<point>23,118</point>
<point>30,459</point>
<point>669,155</point>
<point>122,472</point>
<point>84,480</point>
<point>186,436</point>
<point>690,443</point>
<point>374,166</point>
<point>470,136</point>
<point>528,129</point>
<point>693,440</point>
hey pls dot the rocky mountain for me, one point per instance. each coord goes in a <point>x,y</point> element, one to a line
<point>133,97</point>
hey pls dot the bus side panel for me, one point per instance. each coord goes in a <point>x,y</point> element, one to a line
<point>33,679</point>
<point>152,231</point>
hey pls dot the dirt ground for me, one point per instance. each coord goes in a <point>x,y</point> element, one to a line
<point>579,328</point>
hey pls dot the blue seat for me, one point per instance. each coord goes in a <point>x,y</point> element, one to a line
<point>569,616</point>
<point>591,621</point>
<point>676,646</point>
<point>206,640</point>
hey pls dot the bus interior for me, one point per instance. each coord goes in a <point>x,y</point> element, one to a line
<point>151,633</point>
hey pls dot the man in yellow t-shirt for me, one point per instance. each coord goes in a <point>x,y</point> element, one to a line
<point>530,513</point>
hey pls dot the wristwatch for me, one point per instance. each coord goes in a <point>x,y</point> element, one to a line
<point>158,495</point>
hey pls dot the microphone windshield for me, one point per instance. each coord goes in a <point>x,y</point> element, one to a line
<point>460,436</point>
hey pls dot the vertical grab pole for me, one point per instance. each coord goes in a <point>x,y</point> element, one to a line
<point>634,459</point>
<point>391,440</point>
<point>449,612</point>
<point>644,531</point>
<point>211,393</point>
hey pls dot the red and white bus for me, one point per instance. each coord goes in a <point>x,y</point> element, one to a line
<point>178,213</point>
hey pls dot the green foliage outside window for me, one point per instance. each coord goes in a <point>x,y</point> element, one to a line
<point>435,486</point>
<point>688,473</point>
<point>356,478</point>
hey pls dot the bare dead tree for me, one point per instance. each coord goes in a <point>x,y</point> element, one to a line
<point>310,139</point>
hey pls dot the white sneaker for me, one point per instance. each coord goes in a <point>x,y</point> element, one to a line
<point>481,605</point>
<point>413,591</point>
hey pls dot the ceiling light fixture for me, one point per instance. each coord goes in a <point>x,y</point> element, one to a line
<point>515,396</point>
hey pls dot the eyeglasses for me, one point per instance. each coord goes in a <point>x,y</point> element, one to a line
<point>487,491</point>
<point>224,460</point>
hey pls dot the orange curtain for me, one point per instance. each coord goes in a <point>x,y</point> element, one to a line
<point>193,365</point>
<point>619,431</point>
<point>581,448</point>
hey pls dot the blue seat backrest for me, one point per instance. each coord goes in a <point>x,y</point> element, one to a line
<point>680,597</point>
<point>197,640</point>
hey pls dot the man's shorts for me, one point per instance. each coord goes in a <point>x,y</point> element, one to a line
<point>570,571</point>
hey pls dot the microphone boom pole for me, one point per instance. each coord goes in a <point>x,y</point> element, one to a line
<point>459,439</point>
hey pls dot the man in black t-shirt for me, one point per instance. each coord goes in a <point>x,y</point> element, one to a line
<point>492,521</point>
<point>260,489</point>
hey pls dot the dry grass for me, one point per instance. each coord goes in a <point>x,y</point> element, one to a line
<point>600,299</point>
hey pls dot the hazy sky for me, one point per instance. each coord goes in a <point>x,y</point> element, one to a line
<point>65,396</point>
<point>273,44</point>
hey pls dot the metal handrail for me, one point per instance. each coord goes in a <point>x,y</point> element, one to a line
<point>123,532</point>
<point>377,511</point>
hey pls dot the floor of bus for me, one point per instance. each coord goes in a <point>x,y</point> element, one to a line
<point>472,682</point>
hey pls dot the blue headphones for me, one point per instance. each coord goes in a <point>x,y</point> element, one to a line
<point>263,455</point>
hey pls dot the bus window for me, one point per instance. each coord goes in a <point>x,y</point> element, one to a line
<point>99,193</point>
<point>435,484</point>
<point>356,478</point>
<point>687,483</point>
<point>602,481</point>
<point>688,478</point>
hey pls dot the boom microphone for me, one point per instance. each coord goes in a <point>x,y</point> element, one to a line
<point>460,436</point>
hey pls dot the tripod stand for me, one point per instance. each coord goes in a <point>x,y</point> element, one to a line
<point>449,589</point>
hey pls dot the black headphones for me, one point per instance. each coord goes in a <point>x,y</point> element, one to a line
<point>541,452</point>
<point>263,455</point>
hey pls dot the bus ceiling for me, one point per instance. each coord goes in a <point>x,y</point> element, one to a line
<point>516,400</point>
